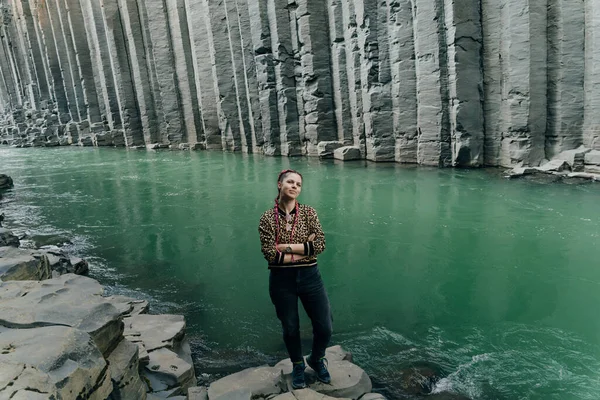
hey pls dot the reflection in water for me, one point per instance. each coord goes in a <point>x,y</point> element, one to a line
<point>488,280</point>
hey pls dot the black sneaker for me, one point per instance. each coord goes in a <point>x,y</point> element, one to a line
<point>320,367</point>
<point>298,381</point>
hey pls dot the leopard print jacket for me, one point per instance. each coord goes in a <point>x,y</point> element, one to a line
<point>308,223</point>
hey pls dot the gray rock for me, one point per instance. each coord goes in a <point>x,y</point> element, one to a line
<point>247,384</point>
<point>129,306</point>
<point>592,169</point>
<point>123,364</point>
<point>197,393</point>
<point>347,153</point>
<point>71,367</point>
<point>593,157</point>
<point>575,158</point>
<point>326,149</point>
<point>7,238</point>
<point>70,300</point>
<point>555,166</point>
<point>6,182</point>
<point>373,396</point>
<point>156,331</point>
<point>20,264</point>
<point>167,372</point>
<point>520,171</point>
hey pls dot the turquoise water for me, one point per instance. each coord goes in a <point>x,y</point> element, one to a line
<point>494,282</point>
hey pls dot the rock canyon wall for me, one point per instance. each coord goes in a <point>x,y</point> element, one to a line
<point>434,82</point>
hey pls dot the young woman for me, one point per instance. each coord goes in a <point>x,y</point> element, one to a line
<point>291,237</point>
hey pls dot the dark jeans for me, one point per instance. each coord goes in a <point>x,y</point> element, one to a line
<point>286,285</point>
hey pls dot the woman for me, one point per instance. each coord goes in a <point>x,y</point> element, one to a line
<point>291,237</point>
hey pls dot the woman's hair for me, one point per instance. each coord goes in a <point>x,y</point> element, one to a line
<point>285,173</point>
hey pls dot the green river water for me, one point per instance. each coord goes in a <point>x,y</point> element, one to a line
<point>494,282</point>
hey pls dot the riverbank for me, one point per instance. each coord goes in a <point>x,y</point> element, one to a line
<point>111,347</point>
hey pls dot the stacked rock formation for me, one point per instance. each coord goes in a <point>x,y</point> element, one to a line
<point>434,82</point>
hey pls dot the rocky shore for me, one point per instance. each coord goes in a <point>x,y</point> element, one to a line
<point>582,163</point>
<point>62,338</point>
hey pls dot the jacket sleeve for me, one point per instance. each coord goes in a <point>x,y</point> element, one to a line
<point>266,232</point>
<point>317,246</point>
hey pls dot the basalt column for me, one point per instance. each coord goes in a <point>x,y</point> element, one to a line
<point>101,66</point>
<point>404,80</point>
<point>49,52</point>
<point>282,22</point>
<point>265,76</point>
<point>311,16</point>
<point>161,62</point>
<point>249,70</point>
<point>198,27</point>
<point>492,26</point>
<point>180,38</point>
<point>353,73</point>
<point>223,71</point>
<point>57,40</point>
<point>566,66</point>
<point>89,107</point>
<point>465,81</point>
<point>524,88</point>
<point>13,94</point>
<point>237,56</point>
<point>591,127</point>
<point>121,73</point>
<point>343,117</point>
<point>16,30</point>
<point>134,35</point>
<point>40,85</point>
<point>432,83</point>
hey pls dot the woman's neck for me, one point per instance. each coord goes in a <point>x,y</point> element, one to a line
<point>287,205</point>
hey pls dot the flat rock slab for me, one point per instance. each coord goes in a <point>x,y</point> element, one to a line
<point>252,382</point>
<point>593,157</point>
<point>21,264</point>
<point>51,362</point>
<point>347,380</point>
<point>347,153</point>
<point>123,364</point>
<point>69,300</point>
<point>167,372</point>
<point>155,331</point>
<point>7,238</point>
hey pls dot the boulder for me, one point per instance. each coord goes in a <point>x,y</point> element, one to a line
<point>197,393</point>
<point>592,158</point>
<point>325,149</point>
<point>69,300</point>
<point>347,380</point>
<point>373,396</point>
<point>7,238</point>
<point>20,264</point>
<point>347,153</point>
<point>554,166</point>
<point>592,169</point>
<point>52,362</point>
<point>156,331</point>
<point>129,306</point>
<point>6,182</point>
<point>521,171</point>
<point>167,372</point>
<point>247,384</point>
<point>305,394</point>
<point>575,158</point>
<point>123,365</point>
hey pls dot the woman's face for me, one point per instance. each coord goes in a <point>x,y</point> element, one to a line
<point>290,186</point>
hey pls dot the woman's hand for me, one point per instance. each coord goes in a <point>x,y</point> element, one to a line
<point>311,237</point>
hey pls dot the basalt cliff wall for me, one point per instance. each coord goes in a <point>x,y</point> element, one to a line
<point>433,82</point>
